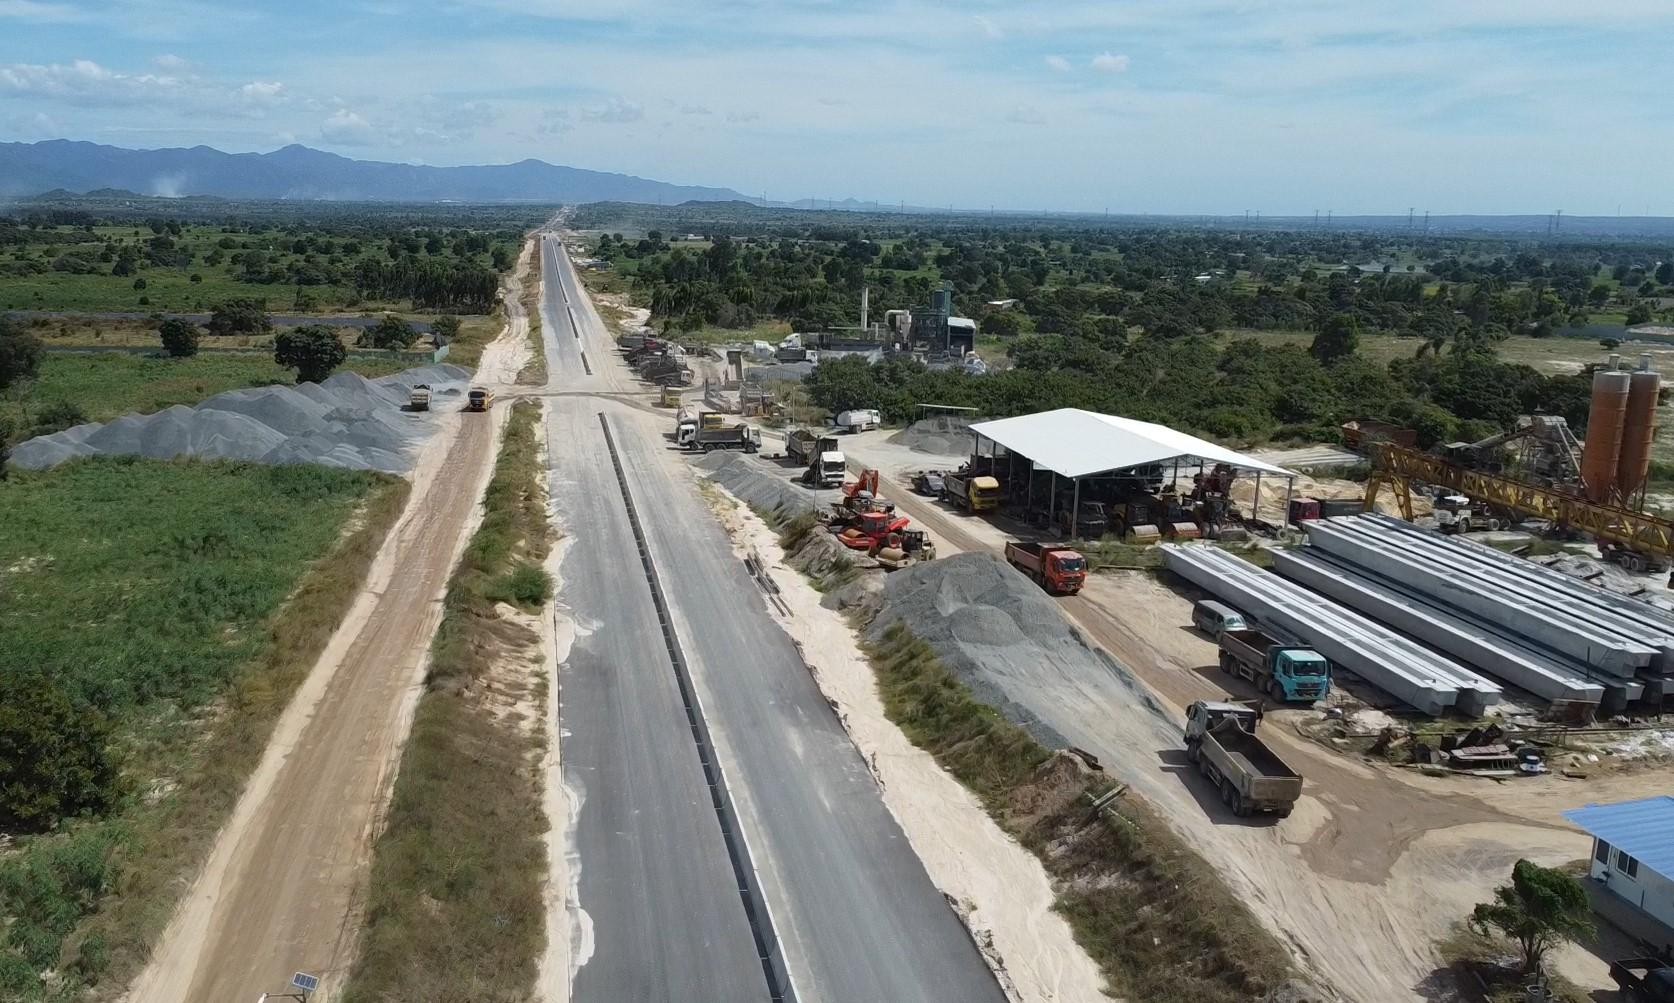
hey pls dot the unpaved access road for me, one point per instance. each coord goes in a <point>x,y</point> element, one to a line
<point>852,905</point>
<point>285,883</point>
<point>1375,866</point>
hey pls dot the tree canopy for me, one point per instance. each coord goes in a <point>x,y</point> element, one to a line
<point>179,337</point>
<point>1541,907</point>
<point>313,350</point>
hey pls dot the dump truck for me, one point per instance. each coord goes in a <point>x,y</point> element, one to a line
<point>1058,570</point>
<point>1221,740</point>
<point>823,463</point>
<point>744,437</point>
<point>418,399</point>
<point>971,492</point>
<point>858,420</point>
<point>479,399</point>
<point>1291,672</point>
<point>1644,980</point>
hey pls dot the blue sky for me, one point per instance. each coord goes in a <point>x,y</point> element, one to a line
<point>1212,106</point>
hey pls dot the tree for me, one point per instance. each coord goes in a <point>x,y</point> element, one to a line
<point>1610,344</point>
<point>1002,324</point>
<point>445,327</point>
<point>20,353</point>
<point>54,758</point>
<point>1639,313</point>
<point>391,332</point>
<point>1665,273</point>
<point>312,350</point>
<point>5,448</point>
<point>240,316</point>
<point>1338,339</point>
<point>1541,906</point>
<point>180,337</point>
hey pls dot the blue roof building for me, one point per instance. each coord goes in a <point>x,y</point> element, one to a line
<point>1633,858</point>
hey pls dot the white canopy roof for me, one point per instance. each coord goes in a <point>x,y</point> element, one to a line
<point>1077,443</point>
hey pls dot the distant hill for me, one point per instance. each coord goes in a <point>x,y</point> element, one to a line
<point>297,172</point>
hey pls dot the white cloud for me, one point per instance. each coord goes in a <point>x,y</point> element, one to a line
<point>347,128</point>
<point>741,117</point>
<point>41,13</point>
<point>1107,62</point>
<point>263,93</point>
<point>85,82</point>
<point>988,26</point>
<point>617,109</point>
<point>171,62</point>
<point>1058,63</point>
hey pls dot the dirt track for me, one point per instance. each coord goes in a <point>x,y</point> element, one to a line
<point>286,881</point>
<point>1376,865</point>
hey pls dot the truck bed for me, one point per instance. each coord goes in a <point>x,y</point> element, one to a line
<point>1252,754</point>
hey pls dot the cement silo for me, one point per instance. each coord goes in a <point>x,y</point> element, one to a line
<point>1639,428</point>
<point>1604,432</point>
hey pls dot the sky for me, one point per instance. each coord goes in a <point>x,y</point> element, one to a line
<point>1192,106</point>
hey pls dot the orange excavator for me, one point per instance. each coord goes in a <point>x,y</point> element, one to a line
<point>860,496</point>
<point>863,521</point>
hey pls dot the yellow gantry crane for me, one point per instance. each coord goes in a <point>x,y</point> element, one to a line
<point>1636,540</point>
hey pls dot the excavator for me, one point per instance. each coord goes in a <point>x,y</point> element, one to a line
<point>864,521</point>
<point>860,496</point>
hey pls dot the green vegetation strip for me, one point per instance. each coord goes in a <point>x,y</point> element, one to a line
<point>533,373</point>
<point>455,910</point>
<point>1151,912</point>
<point>163,613</point>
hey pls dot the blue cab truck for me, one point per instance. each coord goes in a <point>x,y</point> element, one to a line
<point>1289,672</point>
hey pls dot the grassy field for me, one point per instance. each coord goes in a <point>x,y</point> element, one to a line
<point>105,385</point>
<point>1147,908</point>
<point>1548,355</point>
<point>184,602</point>
<point>455,910</point>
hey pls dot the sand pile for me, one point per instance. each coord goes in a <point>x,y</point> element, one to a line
<point>347,421</point>
<point>1000,633</point>
<point>767,491</point>
<point>941,436</point>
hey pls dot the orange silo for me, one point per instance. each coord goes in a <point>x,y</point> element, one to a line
<point>1604,433</point>
<point>1633,461</point>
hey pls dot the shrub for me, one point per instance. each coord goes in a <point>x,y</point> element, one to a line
<point>54,761</point>
<point>525,584</point>
<point>180,337</point>
<point>312,350</point>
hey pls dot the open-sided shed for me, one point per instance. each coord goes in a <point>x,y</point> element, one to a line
<point>1077,444</point>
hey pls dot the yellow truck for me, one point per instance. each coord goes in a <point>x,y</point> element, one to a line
<point>479,399</point>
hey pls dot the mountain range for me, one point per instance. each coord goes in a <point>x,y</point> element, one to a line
<point>298,172</point>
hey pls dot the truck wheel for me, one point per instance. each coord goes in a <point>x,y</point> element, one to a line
<point>1284,812</point>
<point>1229,797</point>
<point>1192,752</point>
<point>1226,663</point>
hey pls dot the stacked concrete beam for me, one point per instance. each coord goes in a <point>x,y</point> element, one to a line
<point>1436,571</point>
<point>1503,656</point>
<point>1383,657</point>
<point>1622,614</point>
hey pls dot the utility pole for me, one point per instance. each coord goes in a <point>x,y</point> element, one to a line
<point>1409,218</point>
<point>1426,221</point>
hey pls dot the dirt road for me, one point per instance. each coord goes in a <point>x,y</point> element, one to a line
<point>1375,866</point>
<point>286,881</point>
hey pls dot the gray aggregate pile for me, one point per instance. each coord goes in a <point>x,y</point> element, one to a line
<point>941,436</point>
<point>759,486</point>
<point>1005,638</point>
<point>347,421</point>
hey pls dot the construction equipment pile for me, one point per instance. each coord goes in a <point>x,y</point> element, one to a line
<point>346,421</point>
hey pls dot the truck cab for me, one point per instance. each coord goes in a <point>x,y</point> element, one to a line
<point>833,465</point>
<point>1300,674</point>
<point>1204,715</point>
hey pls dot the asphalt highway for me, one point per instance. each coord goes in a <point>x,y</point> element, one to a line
<point>857,916</point>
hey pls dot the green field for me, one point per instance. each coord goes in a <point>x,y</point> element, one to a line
<point>105,385</point>
<point>1548,355</point>
<point>191,267</point>
<point>143,593</point>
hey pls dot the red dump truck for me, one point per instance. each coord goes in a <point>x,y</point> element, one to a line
<point>1058,570</point>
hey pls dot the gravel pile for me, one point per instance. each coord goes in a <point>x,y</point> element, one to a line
<point>941,436</point>
<point>767,490</point>
<point>1003,636</point>
<point>347,421</point>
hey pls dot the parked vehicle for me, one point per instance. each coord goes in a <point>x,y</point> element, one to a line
<point>1058,570</point>
<point>1092,520</point>
<point>744,437</point>
<point>928,482</point>
<point>909,546</point>
<point>1644,980</point>
<point>479,399</point>
<point>1290,672</point>
<point>419,398</point>
<point>1212,617</point>
<point>1456,514</point>
<point>859,420</point>
<point>822,461</point>
<point>1221,740</point>
<point>973,493</point>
